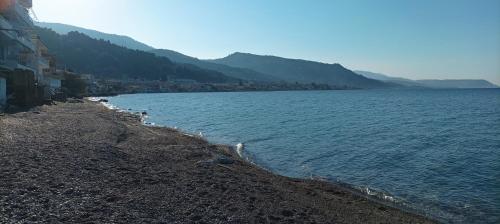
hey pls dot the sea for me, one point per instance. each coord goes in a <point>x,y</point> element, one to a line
<point>435,152</point>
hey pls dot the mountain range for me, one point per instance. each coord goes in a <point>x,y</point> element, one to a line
<point>311,72</point>
<point>259,68</point>
<point>302,71</point>
<point>119,40</point>
<point>84,54</point>
<point>240,73</point>
<point>431,83</point>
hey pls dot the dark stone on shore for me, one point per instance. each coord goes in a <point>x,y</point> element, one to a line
<point>219,159</point>
<point>223,160</point>
<point>103,101</point>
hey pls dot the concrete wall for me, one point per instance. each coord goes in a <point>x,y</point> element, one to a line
<point>3,92</point>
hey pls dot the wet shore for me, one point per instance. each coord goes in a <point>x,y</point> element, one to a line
<point>81,162</point>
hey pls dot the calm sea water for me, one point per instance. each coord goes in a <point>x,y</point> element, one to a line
<point>434,150</point>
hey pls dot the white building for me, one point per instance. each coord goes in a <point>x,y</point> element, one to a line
<point>17,47</point>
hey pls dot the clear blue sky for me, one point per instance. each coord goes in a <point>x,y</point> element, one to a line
<point>417,39</point>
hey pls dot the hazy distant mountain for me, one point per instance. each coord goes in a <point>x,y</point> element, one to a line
<point>386,78</point>
<point>270,68</point>
<point>431,83</point>
<point>240,73</point>
<point>84,54</point>
<point>377,76</point>
<point>302,71</point>
<point>458,83</point>
<point>119,40</point>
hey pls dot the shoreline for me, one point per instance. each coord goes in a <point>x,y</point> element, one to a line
<point>177,173</point>
<point>376,196</point>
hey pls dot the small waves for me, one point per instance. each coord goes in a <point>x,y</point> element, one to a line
<point>432,150</point>
<point>239,149</point>
<point>259,140</point>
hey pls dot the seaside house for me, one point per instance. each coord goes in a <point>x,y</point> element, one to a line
<point>91,82</point>
<point>17,50</point>
<point>42,58</point>
<point>47,73</point>
<point>21,64</point>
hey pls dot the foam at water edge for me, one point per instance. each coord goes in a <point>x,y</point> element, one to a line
<point>378,194</point>
<point>110,106</point>
<point>93,99</point>
<point>239,149</point>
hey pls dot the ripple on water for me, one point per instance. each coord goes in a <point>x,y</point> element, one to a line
<point>434,150</point>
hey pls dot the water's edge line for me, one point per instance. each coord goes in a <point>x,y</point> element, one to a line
<point>360,191</point>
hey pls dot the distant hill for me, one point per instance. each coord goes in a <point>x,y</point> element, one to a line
<point>240,73</point>
<point>119,40</point>
<point>385,78</point>
<point>458,83</point>
<point>255,67</point>
<point>302,71</point>
<point>125,41</point>
<point>431,83</point>
<point>84,54</point>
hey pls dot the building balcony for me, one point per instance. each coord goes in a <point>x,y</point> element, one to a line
<point>18,15</point>
<point>26,43</point>
<point>4,24</point>
<point>26,3</point>
<point>23,14</point>
<point>43,63</point>
<point>13,64</point>
<point>15,34</point>
<point>8,64</point>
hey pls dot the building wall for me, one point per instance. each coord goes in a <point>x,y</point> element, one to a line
<point>3,92</point>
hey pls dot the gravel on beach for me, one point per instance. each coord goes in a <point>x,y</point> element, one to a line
<point>83,163</point>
